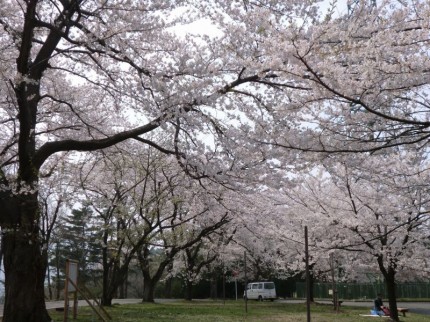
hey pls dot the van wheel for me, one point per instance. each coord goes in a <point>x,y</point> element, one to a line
<point>260,299</point>
<point>271,300</point>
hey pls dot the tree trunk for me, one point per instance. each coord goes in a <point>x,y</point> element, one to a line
<point>390,283</point>
<point>169,282</point>
<point>106,299</point>
<point>168,288</point>
<point>24,265</point>
<point>214,286</point>
<point>109,290</point>
<point>123,286</point>
<point>126,285</point>
<point>188,290</point>
<point>49,285</point>
<point>121,291</point>
<point>57,264</point>
<point>150,281</point>
<point>148,290</point>
<point>311,283</point>
<point>114,277</point>
<point>311,288</point>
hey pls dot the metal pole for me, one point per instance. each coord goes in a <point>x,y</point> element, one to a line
<point>246,285</point>
<point>308,284</point>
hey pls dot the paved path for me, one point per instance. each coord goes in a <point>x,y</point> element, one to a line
<point>60,304</point>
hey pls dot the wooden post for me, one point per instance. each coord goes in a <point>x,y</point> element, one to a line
<point>70,287</point>
<point>66,294</point>
<point>308,281</point>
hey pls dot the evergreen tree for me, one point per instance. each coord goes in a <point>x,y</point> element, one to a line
<point>77,238</point>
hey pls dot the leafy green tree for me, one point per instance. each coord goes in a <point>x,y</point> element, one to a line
<point>77,238</point>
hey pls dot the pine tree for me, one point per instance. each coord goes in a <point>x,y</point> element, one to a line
<point>77,238</point>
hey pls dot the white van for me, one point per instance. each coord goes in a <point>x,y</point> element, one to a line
<point>260,291</point>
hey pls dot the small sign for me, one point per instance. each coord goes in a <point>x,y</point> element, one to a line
<point>70,286</point>
<point>73,275</point>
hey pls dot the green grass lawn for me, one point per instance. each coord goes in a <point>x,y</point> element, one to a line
<point>216,311</point>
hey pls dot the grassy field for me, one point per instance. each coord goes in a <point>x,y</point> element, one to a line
<point>210,311</point>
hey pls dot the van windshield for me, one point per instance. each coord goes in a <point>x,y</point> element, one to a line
<point>269,286</point>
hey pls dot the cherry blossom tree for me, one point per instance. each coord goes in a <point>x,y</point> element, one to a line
<point>348,86</point>
<point>346,83</point>
<point>150,209</point>
<point>84,76</point>
<point>73,72</point>
<point>110,182</point>
<point>187,223</point>
<point>376,207</point>
<point>194,262</point>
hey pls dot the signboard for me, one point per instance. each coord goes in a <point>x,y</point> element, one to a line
<point>71,286</point>
<point>71,283</point>
<point>72,275</point>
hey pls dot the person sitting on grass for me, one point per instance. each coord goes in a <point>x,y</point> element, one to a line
<point>379,307</point>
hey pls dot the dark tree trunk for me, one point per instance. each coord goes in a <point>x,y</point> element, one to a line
<point>151,280</point>
<point>311,284</point>
<point>24,263</point>
<point>169,282</point>
<point>189,290</point>
<point>122,291</point>
<point>214,286</point>
<point>148,290</point>
<point>109,287</point>
<point>123,285</point>
<point>115,269</point>
<point>114,277</point>
<point>390,283</point>
<point>51,296</point>
<point>168,288</point>
<point>24,259</point>
<point>57,264</point>
<point>106,299</point>
<point>126,285</point>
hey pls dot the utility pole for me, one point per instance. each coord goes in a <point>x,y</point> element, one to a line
<point>246,285</point>
<point>308,276</point>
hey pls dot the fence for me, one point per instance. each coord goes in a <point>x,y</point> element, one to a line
<point>351,291</point>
